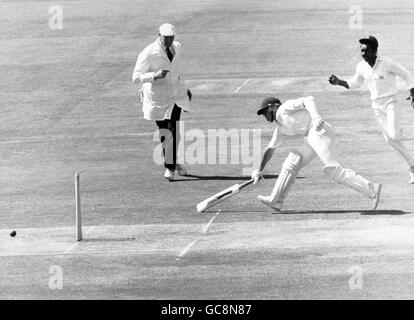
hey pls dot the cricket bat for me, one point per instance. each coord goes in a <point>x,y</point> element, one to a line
<point>222,195</point>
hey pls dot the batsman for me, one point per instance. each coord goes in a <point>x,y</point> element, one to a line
<point>300,118</point>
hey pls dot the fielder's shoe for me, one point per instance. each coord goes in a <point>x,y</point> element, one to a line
<point>169,174</point>
<point>411,178</point>
<point>265,200</point>
<point>376,198</point>
<point>181,170</point>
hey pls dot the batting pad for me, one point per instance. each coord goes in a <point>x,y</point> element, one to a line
<point>287,177</point>
<point>351,179</point>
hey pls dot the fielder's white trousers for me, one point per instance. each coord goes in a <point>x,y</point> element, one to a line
<point>389,122</point>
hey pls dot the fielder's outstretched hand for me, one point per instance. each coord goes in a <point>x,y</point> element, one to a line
<point>334,80</point>
<point>257,175</point>
<point>411,97</point>
<point>412,101</point>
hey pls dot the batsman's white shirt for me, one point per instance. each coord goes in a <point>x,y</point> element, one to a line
<point>294,118</point>
<point>159,96</point>
<point>381,78</point>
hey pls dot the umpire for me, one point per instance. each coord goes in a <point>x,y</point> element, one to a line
<point>162,93</point>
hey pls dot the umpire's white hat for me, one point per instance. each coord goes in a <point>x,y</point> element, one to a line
<point>167,29</point>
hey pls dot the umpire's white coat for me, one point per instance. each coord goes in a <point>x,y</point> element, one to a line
<point>158,97</point>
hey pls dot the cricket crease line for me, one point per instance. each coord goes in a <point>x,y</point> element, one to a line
<point>205,229</point>
<point>70,248</point>
<point>186,249</point>
<point>244,83</point>
<point>76,243</point>
<point>131,135</point>
<point>89,230</point>
<point>86,253</point>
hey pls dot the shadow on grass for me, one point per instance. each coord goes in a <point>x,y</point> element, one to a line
<point>108,239</point>
<point>362,212</point>
<point>382,212</point>
<point>211,210</point>
<point>194,177</point>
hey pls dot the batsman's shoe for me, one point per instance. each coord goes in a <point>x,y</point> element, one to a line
<point>411,178</point>
<point>266,200</point>
<point>169,174</point>
<point>376,198</point>
<point>181,170</point>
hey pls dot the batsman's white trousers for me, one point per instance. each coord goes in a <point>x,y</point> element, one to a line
<point>319,143</point>
<point>389,122</point>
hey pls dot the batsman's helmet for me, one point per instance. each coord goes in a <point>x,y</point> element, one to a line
<point>268,102</point>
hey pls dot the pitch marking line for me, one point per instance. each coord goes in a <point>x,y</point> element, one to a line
<point>76,243</point>
<point>205,229</point>
<point>244,83</point>
<point>86,253</point>
<point>89,230</point>
<point>70,248</point>
<point>186,249</point>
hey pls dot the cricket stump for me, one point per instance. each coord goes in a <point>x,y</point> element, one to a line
<point>78,208</point>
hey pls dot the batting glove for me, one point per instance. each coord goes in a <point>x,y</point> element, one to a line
<point>318,124</point>
<point>256,175</point>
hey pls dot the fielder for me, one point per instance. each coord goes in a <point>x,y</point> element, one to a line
<point>300,118</point>
<point>380,73</point>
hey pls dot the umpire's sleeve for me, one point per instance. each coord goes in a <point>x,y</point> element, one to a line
<point>141,73</point>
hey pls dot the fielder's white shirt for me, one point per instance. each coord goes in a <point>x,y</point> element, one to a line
<point>380,79</point>
<point>294,118</point>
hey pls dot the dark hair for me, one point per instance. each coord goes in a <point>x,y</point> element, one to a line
<point>370,41</point>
